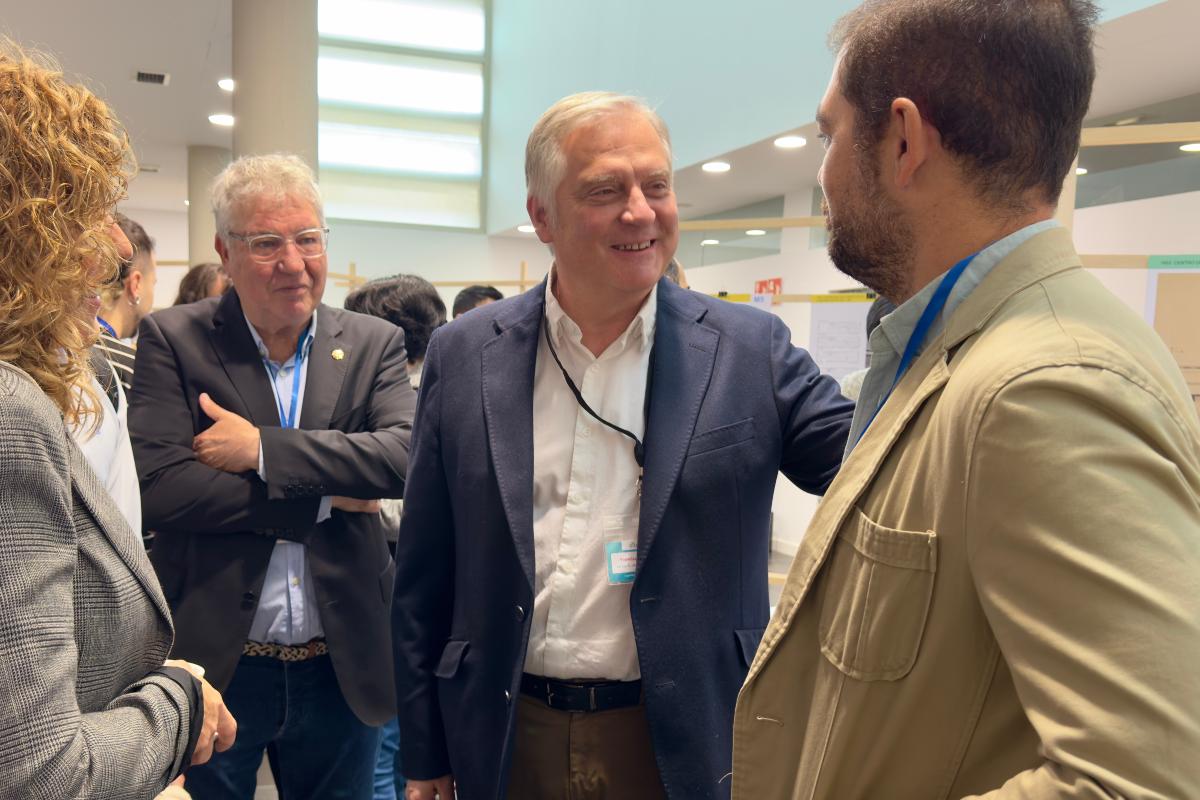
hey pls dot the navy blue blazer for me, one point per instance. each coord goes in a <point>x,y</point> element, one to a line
<point>734,404</point>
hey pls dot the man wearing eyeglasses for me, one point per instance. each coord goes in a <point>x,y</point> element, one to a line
<point>266,427</point>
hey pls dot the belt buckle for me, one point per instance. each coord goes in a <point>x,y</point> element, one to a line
<point>310,649</point>
<point>592,697</point>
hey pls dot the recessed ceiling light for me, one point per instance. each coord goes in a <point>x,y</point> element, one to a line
<point>716,166</point>
<point>1128,121</point>
<point>1194,147</point>
<point>1081,170</point>
<point>790,142</point>
<point>226,84</point>
<point>710,242</point>
<point>525,228</point>
<point>224,120</point>
<point>756,232</point>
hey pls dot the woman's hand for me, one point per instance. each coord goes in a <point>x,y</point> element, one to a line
<point>219,728</point>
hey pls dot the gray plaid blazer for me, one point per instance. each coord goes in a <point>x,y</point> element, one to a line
<point>83,624</point>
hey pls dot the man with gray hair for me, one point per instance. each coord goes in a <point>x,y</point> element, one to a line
<point>266,427</point>
<point>582,563</point>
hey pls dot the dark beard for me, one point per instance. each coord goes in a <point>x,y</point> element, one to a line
<point>874,248</point>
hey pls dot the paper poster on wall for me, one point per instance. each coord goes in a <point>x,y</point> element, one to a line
<point>1173,299</point>
<point>770,286</point>
<point>838,340</point>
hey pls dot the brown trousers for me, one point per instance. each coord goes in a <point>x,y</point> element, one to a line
<point>605,755</point>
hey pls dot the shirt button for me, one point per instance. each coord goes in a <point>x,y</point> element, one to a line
<point>520,614</point>
<point>507,697</point>
<point>295,581</point>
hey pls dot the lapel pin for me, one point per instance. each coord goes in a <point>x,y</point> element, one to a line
<point>338,354</point>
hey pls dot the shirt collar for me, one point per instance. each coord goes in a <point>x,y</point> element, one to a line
<point>897,327</point>
<point>309,335</point>
<point>564,329</point>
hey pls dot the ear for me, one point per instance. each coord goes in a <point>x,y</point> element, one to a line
<point>910,141</point>
<point>133,283</point>
<point>222,250</point>
<point>539,215</point>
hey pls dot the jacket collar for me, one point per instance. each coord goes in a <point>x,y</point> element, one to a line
<point>1043,256</point>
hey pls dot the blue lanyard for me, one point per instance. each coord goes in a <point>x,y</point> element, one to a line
<point>288,420</point>
<point>917,339</point>
<point>108,328</point>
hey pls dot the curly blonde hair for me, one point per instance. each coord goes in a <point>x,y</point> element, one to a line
<point>64,163</point>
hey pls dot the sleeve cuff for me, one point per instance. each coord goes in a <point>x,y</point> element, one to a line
<point>325,509</point>
<point>195,694</point>
<point>262,467</point>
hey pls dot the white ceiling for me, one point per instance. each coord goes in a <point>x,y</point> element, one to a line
<point>1144,58</point>
<point>105,43</point>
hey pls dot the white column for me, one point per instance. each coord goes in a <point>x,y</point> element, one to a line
<point>203,165</point>
<point>275,77</point>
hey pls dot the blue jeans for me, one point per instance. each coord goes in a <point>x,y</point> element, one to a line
<point>389,781</point>
<point>324,751</point>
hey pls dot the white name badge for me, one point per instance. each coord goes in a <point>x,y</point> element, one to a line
<point>620,549</point>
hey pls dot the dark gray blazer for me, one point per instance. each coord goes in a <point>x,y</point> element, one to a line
<point>83,624</point>
<point>733,404</point>
<point>215,530</point>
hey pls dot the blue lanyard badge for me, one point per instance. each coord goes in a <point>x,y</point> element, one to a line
<point>288,420</point>
<point>917,339</point>
<point>107,328</point>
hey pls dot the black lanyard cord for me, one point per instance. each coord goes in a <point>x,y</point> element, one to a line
<point>639,448</point>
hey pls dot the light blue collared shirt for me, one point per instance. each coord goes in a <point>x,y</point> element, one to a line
<point>287,607</point>
<point>891,337</point>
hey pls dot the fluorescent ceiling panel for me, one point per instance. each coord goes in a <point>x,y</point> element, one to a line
<point>392,150</point>
<point>430,25</point>
<point>403,84</point>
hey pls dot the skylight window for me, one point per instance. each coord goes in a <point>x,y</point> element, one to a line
<point>447,25</point>
<point>391,150</point>
<point>400,82</point>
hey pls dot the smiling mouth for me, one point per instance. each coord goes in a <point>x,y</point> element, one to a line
<point>635,247</point>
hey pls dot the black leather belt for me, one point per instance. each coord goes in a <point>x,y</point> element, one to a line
<point>582,696</point>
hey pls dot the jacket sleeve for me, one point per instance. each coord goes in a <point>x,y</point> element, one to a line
<point>1086,560</point>
<point>424,590</point>
<point>178,492</point>
<point>369,464</point>
<point>49,747</point>
<point>813,416</point>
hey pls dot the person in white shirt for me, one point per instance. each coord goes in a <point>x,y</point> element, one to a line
<point>581,568</point>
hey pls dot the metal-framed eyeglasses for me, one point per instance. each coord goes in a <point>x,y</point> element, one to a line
<point>268,247</point>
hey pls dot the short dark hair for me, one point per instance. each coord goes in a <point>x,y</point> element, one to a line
<point>1006,84</point>
<point>408,301</point>
<point>197,282</point>
<point>137,236</point>
<point>472,296</point>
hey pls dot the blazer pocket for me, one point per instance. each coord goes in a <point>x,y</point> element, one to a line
<point>748,639</point>
<point>874,598</point>
<point>724,436</point>
<point>451,660</point>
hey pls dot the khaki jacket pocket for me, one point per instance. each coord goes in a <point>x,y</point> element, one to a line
<point>874,598</point>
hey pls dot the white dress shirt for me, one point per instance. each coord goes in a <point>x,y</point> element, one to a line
<point>287,610</point>
<point>110,454</point>
<point>585,494</point>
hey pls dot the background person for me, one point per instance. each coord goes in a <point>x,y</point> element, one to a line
<point>89,708</point>
<point>413,304</point>
<point>473,297</point>
<point>1000,594</point>
<point>201,282</point>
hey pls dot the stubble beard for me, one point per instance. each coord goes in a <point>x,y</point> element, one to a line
<point>872,242</point>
